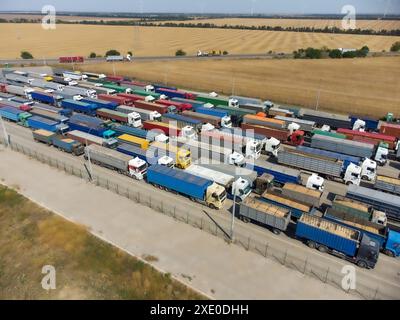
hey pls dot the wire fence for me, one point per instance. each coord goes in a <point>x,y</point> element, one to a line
<point>365,287</point>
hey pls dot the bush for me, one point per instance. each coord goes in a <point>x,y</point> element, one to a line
<point>112,52</point>
<point>180,52</point>
<point>225,53</point>
<point>350,54</point>
<point>130,53</point>
<point>92,55</point>
<point>395,46</point>
<point>312,53</point>
<point>335,54</point>
<point>26,55</point>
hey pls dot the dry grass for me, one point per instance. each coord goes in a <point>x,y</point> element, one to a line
<point>155,41</point>
<point>367,86</point>
<point>10,16</point>
<point>316,23</point>
<point>86,267</point>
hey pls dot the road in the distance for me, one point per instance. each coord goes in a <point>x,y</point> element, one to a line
<point>386,275</point>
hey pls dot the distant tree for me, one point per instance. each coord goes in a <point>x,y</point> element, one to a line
<point>180,52</point>
<point>335,54</point>
<point>395,46</point>
<point>92,55</point>
<point>112,52</point>
<point>225,53</point>
<point>350,54</point>
<point>26,55</point>
<point>312,53</point>
<point>130,53</point>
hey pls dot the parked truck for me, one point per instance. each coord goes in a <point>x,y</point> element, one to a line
<point>342,241</point>
<point>390,129</point>
<point>131,119</point>
<point>196,188</point>
<point>61,142</point>
<point>388,203</point>
<point>135,141</point>
<point>37,122</point>
<point>218,100</point>
<point>223,116</point>
<point>193,103</point>
<point>20,91</point>
<point>241,187</point>
<point>181,156</point>
<point>302,194</point>
<point>100,103</point>
<point>268,215</point>
<point>246,101</point>
<point>368,123</point>
<point>64,112</point>
<point>180,106</point>
<point>387,184</point>
<point>376,137</point>
<point>145,115</point>
<point>116,99</point>
<point>182,121</point>
<point>236,114</point>
<point>114,160</point>
<point>141,133</point>
<point>263,121</point>
<point>204,118</point>
<point>88,139</point>
<point>77,106</point>
<point>171,93</point>
<point>305,125</point>
<point>325,118</point>
<point>388,240</point>
<point>15,115</point>
<point>328,167</point>
<point>285,136</point>
<point>166,128</point>
<point>54,100</point>
<point>368,166</point>
<point>134,151</point>
<point>154,107</point>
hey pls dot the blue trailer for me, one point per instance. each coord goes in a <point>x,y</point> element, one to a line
<point>68,145</point>
<point>90,125</point>
<point>101,103</point>
<point>136,132</point>
<point>330,154</point>
<point>170,93</point>
<point>161,86</point>
<point>281,174</point>
<point>339,240</point>
<point>14,115</point>
<point>211,112</point>
<point>46,98</point>
<point>389,240</point>
<point>196,188</point>
<point>37,122</point>
<point>370,124</point>
<point>77,106</point>
<point>182,121</point>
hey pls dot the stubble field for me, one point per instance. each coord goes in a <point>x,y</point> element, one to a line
<point>368,86</point>
<point>155,41</point>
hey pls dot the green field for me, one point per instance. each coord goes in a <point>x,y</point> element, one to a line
<point>86,267</point>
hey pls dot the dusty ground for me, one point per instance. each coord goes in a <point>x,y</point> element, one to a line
<point>86,267</point>
<point>364,86</point>
<point>156,41</point>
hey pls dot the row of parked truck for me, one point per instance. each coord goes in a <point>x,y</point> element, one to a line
<point>114,142</point>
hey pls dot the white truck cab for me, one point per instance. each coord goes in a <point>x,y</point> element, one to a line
<point>268,104</point>
<point>253,149</point>
<point>161,138</point>
<point>226,122</point>
<point>359,125</point>
<point>315,182</point>
<point>272,146</point>
<point>149,99</point>
<point>326,128</point>
<point>352,174</point>
<point>233,103</point>
<point>292,127</point>
<point>207,127</point>
<point>166,161</point>
<point>137,168</point>
<point>188,132</point>
<point>368,170</point>
<point>381,155</point>
<point>236,159</point>
<point>242,188</point>
<point>134,120</point>
<point>379,217</point>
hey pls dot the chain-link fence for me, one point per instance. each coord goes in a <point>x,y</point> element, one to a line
<point>365,287</point>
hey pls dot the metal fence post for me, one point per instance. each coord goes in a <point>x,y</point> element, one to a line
<point>248,243</point>
<point>201,223</point>
<point>305,265</point>
<point>187,217</point>
<point>376,293</point>
<point>266,250</point>
<point>326,276</point>
<point>284,259</point>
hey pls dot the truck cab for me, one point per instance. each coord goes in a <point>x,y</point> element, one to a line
<point>272,146</point>
<point>352,175</point>
<point>207,127</point>
<point>134,120</point>
<point>166,161</point>
<point>368,252</point>
<point>183,158</point>
<point>215,196</point>
<point>137,168</point>
<point>253,149</point>
<point>381,155</point>
<point>359,125</point>
<point>237,159</point>
<point>368,170</point>
<point>233,103</point>
<point>188,132</point>
<point>315,182</point>
<point>242,188</point>
<point>161,138</point>
<point>297,138</point>
<point>226,122</point>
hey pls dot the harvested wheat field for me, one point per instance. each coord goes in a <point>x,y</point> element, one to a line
<point>285,23</point>
<point>367,86</point>
<point>155,41</point>
<point>71,18</point>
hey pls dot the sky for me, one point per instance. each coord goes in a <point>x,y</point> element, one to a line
<point>209,6</point>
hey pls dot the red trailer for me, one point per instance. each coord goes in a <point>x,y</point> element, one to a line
<point>166,128</point>
<point>3,87</point>
<point>390,129</point>
<point>296,138</point>
<point>350,134</point>
<point>151,106</point>
<point>135,83</point>
<point>116,79</point>
<point>76,59</point>
<point>366,140</point>
<point>181,106</point>
<point>112,115</point>
<point>130,96</point>
<point>117,99</point>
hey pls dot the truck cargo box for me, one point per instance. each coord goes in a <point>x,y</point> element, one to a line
<point>302,194</point>
<point>387,184</point>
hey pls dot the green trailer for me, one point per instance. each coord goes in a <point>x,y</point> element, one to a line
<point>329,134</point>
<point>119,89</point>
<point>145,93</point>
<point>214,101</point>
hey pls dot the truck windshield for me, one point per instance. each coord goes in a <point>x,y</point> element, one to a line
<point>221,196</point>
<point>276,146</point>
<point>372,170</point>
<point>143,167</point>
<point>355,175</point>
<point>247,189</point>
<point>228,123</point>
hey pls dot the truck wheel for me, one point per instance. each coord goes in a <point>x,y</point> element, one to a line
<point>348,183</point>
<point>322,248</point>
<point>276,231</point>
<point>388,253</point>
<point>246,220</point>
<point>212,206</point>
<point>362,264</point>
<point>311,244</point>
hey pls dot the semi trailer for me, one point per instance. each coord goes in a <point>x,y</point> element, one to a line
<point>204,118</point>
<point>181,156</point>
<point>182,121</point>
<point>325,118</point>
<point>387,184</point>
<point>61,142</point>
<point>88,139</point>
<point>145,115</point>
<point>223,116</point>
<point>15,115</point>
<point>135,141</point>
<point>376,137</point>
<point>160,108</point>
<point>302,194</point>
<point>285,136</point>
<point>77,106</point>
<point>100,103</point>
<point>134,151</point>
<point>197,189</point>
<point>141,133</point>
<point>131,119</point>
<point>38,122</point>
